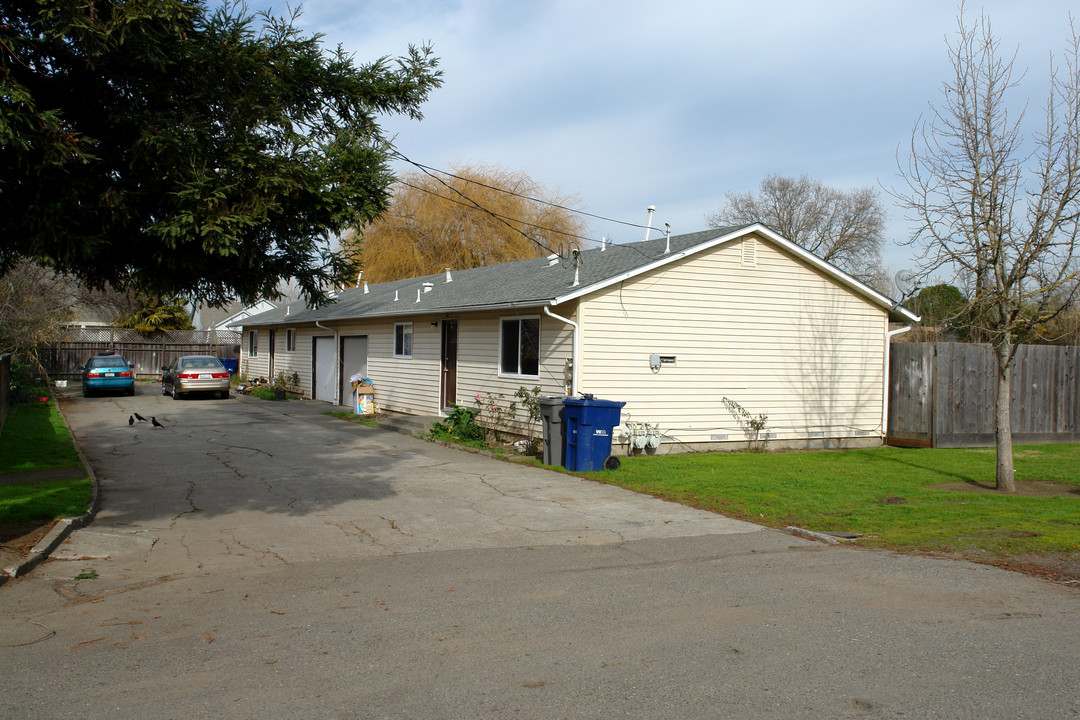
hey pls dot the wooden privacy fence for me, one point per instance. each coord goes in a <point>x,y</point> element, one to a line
<point>943,394</point>
<point>145,353</point>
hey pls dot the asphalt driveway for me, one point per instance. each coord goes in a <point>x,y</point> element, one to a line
<point>258,559</point>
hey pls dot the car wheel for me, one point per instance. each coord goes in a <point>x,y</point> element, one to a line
<point>163,392</point>
<point>175,393</point>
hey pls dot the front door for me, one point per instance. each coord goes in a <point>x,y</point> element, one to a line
<point>270,357</point>
<point>449,363</point>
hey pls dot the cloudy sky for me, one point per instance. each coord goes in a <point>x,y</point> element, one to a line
<point>675,104</point>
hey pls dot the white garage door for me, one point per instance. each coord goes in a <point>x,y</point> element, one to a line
<point>325,374</point>
<point>353,360</point>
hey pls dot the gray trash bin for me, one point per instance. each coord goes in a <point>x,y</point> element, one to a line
<point>551,414</point>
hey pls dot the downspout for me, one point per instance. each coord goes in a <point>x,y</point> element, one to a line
<point>337,369</point>
<point>885,394</point>
<point>573,352</point>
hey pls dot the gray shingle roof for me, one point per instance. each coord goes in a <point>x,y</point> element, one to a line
<point>525,283</point>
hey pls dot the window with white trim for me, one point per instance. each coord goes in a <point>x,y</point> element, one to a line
<point>253,343</point>
<point>290,340</point>
<point>519,346</point>
<point>403,340</point>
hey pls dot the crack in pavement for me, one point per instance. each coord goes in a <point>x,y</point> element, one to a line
<point>260,555</point>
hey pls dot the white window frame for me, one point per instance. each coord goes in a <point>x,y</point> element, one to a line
<point>290,340</point>
<point>253,343</point>
<point>406,349</point>
<point>518,319</point>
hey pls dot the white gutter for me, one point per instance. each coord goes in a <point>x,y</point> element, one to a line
<point>573,352</point>
<point>885,394</point>
<point>337,369</point>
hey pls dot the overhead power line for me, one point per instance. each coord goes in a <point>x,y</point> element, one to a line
<point>427,168</point>
<point>473,204</point>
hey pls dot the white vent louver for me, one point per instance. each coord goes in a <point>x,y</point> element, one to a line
<point>749,252</point>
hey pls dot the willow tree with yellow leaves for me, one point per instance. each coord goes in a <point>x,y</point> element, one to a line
<point>469,217</point>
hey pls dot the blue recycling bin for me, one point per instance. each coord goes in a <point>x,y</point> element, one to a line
<point>589,424</point>
<point>231,364</point>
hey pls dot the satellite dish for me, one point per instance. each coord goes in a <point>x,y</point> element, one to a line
<point>906,283</point>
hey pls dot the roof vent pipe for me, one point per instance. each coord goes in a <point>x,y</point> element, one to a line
<point>395,295</point>
<point>365,287</point>
<point>448,278</point>
<point>288,310</point>
<point>358,276</point>
<point>418,291</point>
<point>603,243</point>
<point>667,232</point>
<point>648,222</point>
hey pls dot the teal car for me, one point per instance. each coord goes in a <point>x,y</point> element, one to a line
<point>104,373</point>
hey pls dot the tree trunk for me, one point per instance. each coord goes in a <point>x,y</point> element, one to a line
<point>1003,422</point>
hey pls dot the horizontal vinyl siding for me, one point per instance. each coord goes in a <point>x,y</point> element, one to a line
<point>258,366</point>
<point>778,338</point>
<point>478,360</point>
<point>409,385</point>
<point>297,361</point>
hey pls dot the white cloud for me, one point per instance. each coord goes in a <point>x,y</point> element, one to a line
<point>628,104</point>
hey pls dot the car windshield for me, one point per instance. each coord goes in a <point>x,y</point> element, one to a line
<point>201,363</point>
<point>107,362</point>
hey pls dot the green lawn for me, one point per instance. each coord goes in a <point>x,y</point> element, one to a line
<point>36,439</point>
<point>886,494</point>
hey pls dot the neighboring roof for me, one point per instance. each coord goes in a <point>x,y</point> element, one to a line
<point>236,320</point>
<point>540,281</point>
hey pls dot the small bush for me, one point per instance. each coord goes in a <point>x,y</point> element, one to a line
<point>460,425</point>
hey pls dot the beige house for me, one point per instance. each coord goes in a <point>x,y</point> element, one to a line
<point>670,326</point>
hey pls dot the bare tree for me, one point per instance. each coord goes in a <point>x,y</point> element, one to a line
<point>997,207</point>
<point>472,217</point>
<point>844,228</point>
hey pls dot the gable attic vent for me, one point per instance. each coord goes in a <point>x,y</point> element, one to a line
<point>749,252</point>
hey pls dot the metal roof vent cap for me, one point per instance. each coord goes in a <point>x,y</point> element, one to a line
<point>365,287</point>
<point>448,278</point>
<point>428,287</point>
